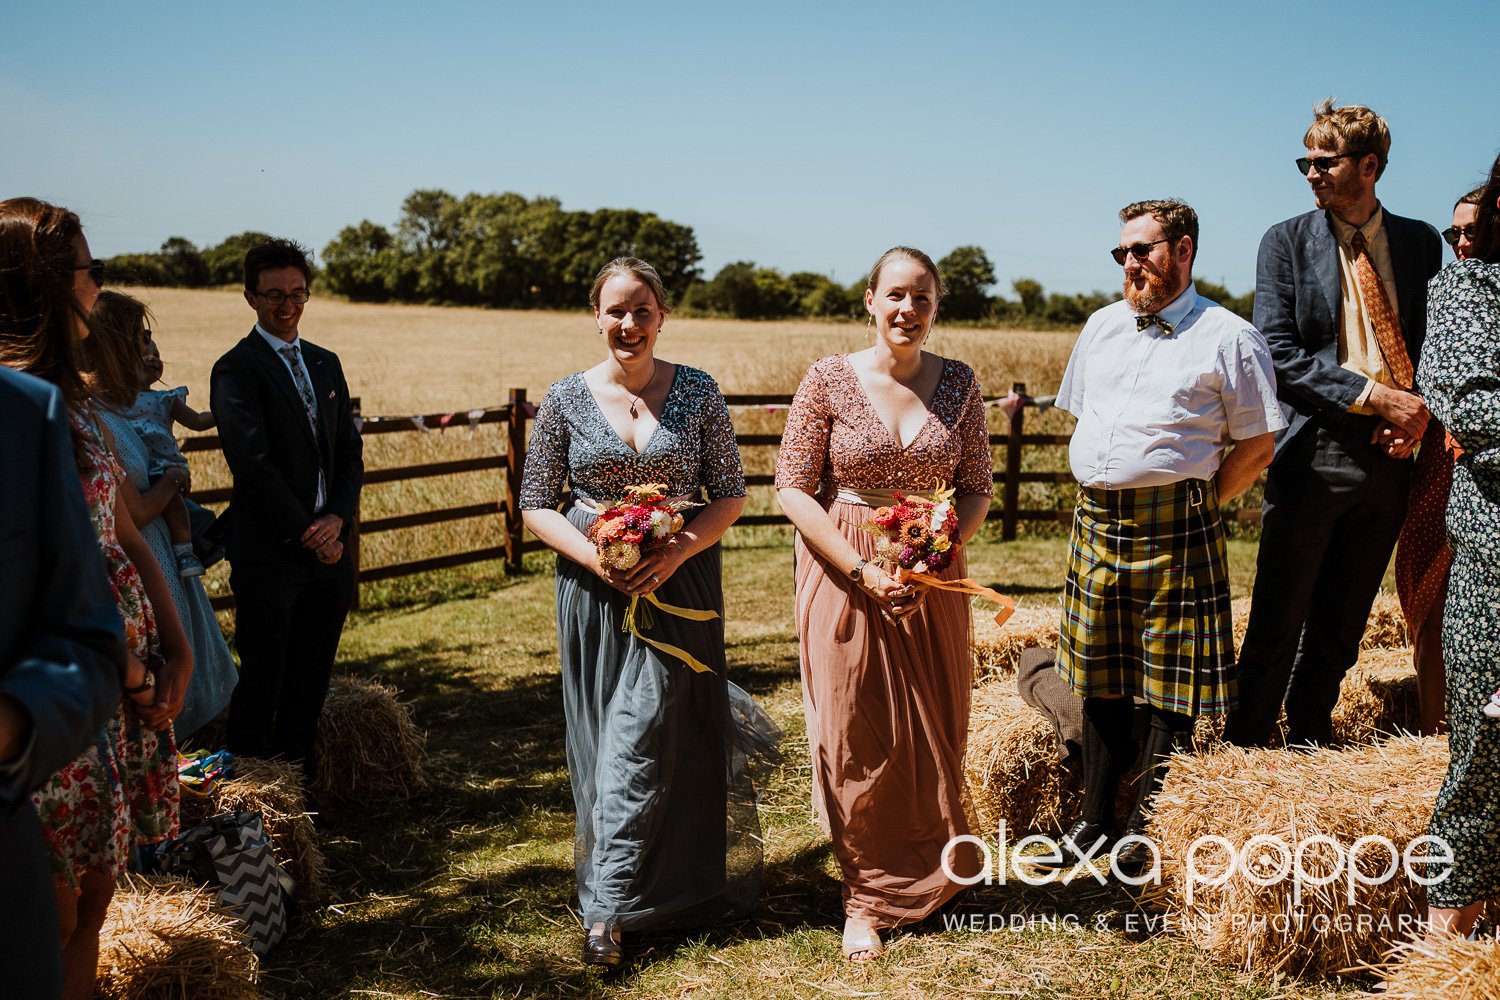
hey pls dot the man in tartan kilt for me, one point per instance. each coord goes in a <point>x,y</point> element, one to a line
<point>1176,407</point>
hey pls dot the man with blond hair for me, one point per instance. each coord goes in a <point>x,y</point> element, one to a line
<point>1341,296</point>
<point>1176,407</point>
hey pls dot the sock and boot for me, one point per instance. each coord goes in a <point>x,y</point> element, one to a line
<point>1109,749</point>
<point>1167,733</point>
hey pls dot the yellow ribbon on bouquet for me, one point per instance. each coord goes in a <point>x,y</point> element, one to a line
<point>635,608</point>
<point>966,586</point>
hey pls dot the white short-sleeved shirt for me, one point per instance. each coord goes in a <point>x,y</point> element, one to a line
<point>1155,409</point>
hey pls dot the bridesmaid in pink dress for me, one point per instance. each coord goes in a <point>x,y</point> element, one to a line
<point>886,667</point>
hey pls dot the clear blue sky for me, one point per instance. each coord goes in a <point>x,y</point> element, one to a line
<point>803,136</point>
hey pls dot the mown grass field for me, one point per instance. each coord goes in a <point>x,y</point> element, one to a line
<point>466,890</point>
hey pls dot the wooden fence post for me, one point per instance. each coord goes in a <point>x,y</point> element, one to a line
<point>515,462</point>
<point>1012,494</point>
<point>353,553</point>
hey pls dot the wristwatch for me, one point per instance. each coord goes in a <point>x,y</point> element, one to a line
<point>145,685</point>
<point>857,574</point>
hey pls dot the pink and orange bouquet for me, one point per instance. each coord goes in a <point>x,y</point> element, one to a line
<point>916,534</point>
<point>917,537</point>
<point>639,524</point>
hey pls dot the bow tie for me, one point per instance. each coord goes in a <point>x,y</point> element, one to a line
<point>1141,322</point>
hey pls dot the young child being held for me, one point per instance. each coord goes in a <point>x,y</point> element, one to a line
<point>152,415</point>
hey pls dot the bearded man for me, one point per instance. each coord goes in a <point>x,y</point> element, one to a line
<point>1176,407</point>
<point>1341,295</point>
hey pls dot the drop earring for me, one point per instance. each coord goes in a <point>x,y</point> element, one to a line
<point>870,328</point>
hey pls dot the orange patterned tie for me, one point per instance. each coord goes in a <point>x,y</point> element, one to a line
<point>1378,307</point>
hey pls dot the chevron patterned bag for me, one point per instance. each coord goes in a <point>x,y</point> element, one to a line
<point>232,854</point>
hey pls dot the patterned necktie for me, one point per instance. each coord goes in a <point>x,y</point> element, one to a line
<point>1141,322</point>
<point>293,355</point>
<point>1378,308</point>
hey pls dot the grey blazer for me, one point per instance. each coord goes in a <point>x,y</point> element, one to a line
<point>1297,302</point>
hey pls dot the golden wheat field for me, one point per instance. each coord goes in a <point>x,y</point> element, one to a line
<point>407,360</point>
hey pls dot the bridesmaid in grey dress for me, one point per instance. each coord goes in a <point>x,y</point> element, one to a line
<point>659,756</point>
<point>114,356</point>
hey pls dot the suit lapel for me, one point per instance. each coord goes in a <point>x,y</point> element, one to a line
<point>277,371</point>
<point>1324,249</point>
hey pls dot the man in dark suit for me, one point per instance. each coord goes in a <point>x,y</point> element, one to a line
<point>288,433</point>
<point>1341,296</point>
<point>62,655</point>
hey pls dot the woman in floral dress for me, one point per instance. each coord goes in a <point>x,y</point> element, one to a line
<point>658,755</point>
<point>1459,379</point>
<point>123,790</point>
<point>886,667</point>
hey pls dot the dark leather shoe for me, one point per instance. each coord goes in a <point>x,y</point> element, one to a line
<point>1135,858</point>
<point>601,949</point>
<point>1083,841</point>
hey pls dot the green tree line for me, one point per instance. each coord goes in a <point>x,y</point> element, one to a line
<point>510,251</point>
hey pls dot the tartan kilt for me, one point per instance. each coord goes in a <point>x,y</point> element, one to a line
<point>1146,601</point>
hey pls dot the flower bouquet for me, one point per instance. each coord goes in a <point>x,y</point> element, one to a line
<point>917,537</point>
<point>640,524</point>
<point>627,529</point>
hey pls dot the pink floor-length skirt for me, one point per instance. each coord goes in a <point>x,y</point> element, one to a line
<point>887,710</point>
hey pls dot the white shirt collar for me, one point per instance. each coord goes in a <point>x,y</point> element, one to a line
<point>275,342</point>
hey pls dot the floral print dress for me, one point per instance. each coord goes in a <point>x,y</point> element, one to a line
<point>1458,379</point>
<point>122,790</point>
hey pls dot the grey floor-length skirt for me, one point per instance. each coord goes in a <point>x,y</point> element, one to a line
<point>662,760</point>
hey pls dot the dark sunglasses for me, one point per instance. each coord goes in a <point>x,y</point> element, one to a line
<point>1323,163</point>
<point>1452,233</point>
<point>95,268</point>
<point>1140,251</point>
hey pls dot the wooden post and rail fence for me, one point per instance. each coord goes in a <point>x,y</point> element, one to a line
<point>515,413</point>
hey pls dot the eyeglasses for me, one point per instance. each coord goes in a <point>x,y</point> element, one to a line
<point>1323,163</point>
<point>1140,251</point>
<point>95,268</point>
<point>1452,234</point>
<point>276,296</point>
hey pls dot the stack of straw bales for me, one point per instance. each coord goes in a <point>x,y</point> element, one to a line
<point>166,938</point>
<point>1014,767</point>
<point>1387,625</point>
<point>997,648</point>
<point>1383,789</point>
<point>1453,968</point>
<point>369,750</point>
<point>273,789</point>
<point>1378,697</point>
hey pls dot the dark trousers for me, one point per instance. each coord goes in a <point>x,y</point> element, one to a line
<point>30,959</point>
<point>287,621</point>
<point>1333,507</point>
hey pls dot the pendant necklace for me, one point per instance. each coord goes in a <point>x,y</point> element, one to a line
<point>634,413</point>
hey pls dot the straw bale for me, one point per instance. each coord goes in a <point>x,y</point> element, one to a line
<point>1454,968</point>
<point>1240,609</point>
<point>1014,765</point>
<point>165,938</point>
<point>1015,768</point>
<point>1387,625</point>
<point>1378,697</point>
<point>369,750</point>
<point>272,788</point>
<point>1385,789</point>
<point>997,648</point>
